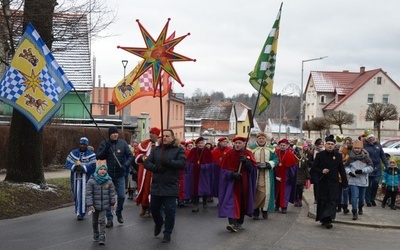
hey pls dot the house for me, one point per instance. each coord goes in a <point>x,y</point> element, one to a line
<point>351,92</point>
<point>211,120</point>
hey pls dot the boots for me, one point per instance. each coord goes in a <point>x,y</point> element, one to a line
<point>339,208</point>
<point>360,211</point>
<point>355,216</point>
<point>345,209</point>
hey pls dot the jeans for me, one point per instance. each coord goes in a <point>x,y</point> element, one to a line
<point>372,189</point>
<point>357,193</point>
<point>169,204</point>
<point>119,183</point>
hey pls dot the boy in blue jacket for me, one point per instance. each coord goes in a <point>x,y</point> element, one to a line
<point>390,181</point>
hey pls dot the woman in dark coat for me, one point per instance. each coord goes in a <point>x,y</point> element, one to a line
<point>328,164</point>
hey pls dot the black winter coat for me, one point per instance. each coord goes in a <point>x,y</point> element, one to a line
<point>122,152</point>
<point>328,184</point>
<point>165,181</point>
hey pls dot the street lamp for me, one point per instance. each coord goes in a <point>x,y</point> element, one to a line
<point>124,64</point>
<point>301,93</point>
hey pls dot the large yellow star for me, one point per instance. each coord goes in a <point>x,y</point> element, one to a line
<point>158,55</point>
<point>32,81</point>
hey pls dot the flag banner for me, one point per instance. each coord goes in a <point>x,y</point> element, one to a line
<point>34,83</point>
<point>262,77</point>
<point>128,89</point>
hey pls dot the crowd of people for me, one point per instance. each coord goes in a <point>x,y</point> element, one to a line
<point>248,179</point>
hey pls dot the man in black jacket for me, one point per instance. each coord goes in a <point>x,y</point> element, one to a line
<point>119,159</point>
<point>165,161</point>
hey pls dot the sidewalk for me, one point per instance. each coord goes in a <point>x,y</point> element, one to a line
<point>376,217</point>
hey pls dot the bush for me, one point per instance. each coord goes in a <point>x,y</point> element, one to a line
<point>58,141</point>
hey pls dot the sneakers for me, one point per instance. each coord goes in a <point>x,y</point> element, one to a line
<point>109,224</point>
<point>79,217</point>
<point>102,240</point>
<point>157,229</point>
<point>231,228</point>
<point>120,219</point>
<point>96,237</point>
<point>166,239</point>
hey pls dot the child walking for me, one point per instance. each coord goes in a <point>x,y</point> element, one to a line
<point>390,181</point>
<point>100,196</point>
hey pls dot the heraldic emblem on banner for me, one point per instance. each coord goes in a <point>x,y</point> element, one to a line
<point>34,83</point>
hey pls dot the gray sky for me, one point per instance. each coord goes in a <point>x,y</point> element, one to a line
<point>227,37</point>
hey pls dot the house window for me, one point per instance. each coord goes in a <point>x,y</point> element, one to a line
<point>322,99</point>
<point>385,99</point>
<point>379,80</point>
<point>370,98</point>
<point>111,108</point>
<point>244,129</point>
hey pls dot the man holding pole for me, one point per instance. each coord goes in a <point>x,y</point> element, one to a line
<point>237,184</point>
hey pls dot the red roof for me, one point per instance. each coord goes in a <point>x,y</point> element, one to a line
<point>343,84</point>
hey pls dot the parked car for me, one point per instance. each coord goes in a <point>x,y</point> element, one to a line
<point>388,142</point>
<point>392,150</point>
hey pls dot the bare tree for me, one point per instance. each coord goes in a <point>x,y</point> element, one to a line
<point>339,118</point>
<point>308,126</point>
<point>319,124</point>
<point>379,112</point>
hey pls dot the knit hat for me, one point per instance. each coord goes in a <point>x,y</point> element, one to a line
<point>317,141</point>
<point>368,134</point>
<point>305,145</point>
<point>357,144</point>
<point>112,130</point>
<point>84,141</point>
<point>155,131</point>
<point>393,158</point>
<point>330,138</point>
<point>101,166</point>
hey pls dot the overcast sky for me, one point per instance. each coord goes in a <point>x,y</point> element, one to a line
<point>227,37</point>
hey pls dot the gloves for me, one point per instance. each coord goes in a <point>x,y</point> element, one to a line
<point>78,168</point>
<point>268,165</point>
<point>236,176</point>
<point>352,174</point>
<point>242,158</point>
<point>358,171</point>
<point>165,162</point>
<point>261,165</point>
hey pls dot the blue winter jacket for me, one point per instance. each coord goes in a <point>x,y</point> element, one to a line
<point>377,155</point>
<point>391,178</point>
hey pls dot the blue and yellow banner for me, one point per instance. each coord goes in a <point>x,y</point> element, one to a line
<point>34,83</point>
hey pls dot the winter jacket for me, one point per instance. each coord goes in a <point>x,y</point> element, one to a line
<point>100,196</point>
<point>377,155</point>
<point>391,178</point>
<point>303,170</point>
<point>165,181</point>
<point>122,152</point>
<point>358,161</point>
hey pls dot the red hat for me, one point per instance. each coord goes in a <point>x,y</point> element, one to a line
<point>223,139</point>
<point>283,140</point>
<point>183,143</point>
<point>199,139</point>
<point>189,142</point>
<point>239,138</point>
<point>155,131</point>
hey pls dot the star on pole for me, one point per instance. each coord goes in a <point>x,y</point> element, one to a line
<point>158,55</point>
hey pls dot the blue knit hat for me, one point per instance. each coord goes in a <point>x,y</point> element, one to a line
<point>84,141</point>
<point>101,166</point>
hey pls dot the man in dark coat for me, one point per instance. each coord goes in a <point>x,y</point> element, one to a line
<point>328,165</point>
<point>166,162</point>
<point>119,159</point>
<point>237,184</point>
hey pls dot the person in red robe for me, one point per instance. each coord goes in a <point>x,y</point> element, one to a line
<point>218,154</point>
<point>142,151</point>
<point>199,174</point>
<point>237,184</point>
<point>285,175</point>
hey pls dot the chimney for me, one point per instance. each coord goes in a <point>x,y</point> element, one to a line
<point>362,70</point>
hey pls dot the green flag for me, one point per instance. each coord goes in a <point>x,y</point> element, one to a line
<point>264,70</point>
